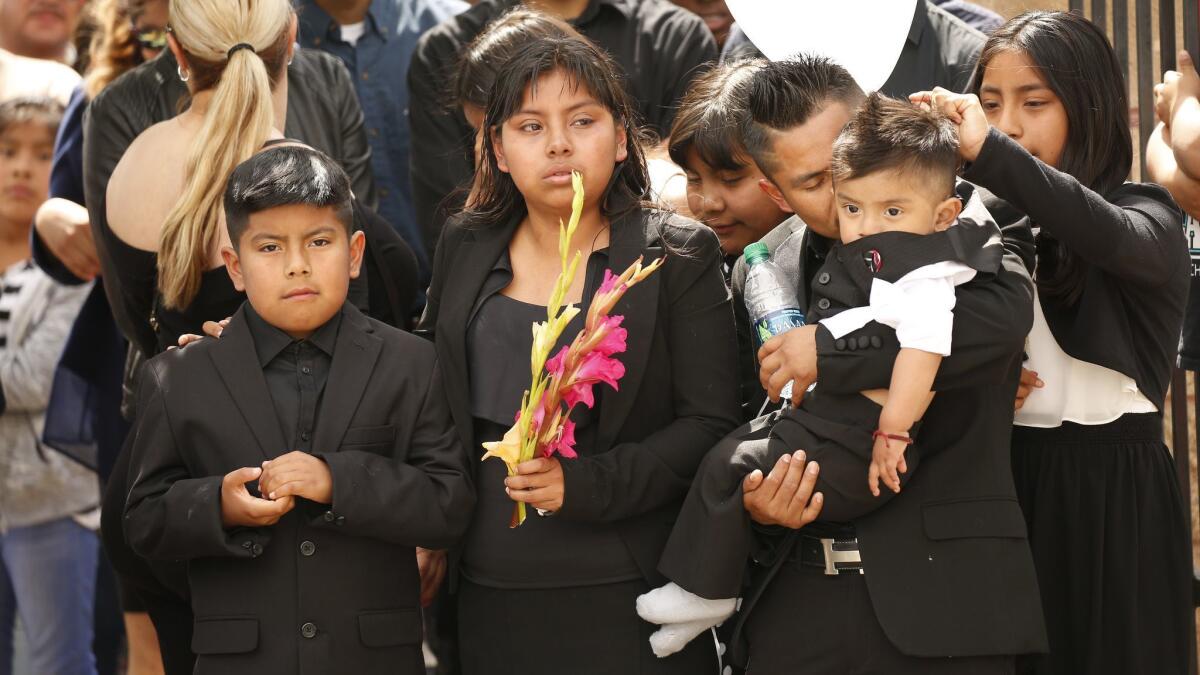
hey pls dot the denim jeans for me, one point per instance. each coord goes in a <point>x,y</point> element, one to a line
<point>48,577</point>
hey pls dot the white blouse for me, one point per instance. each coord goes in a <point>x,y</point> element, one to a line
<point>1076,391</point>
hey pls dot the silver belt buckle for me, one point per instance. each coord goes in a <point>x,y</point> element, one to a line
<point>832,558</point>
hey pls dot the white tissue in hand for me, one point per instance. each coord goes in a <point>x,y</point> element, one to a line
<point>672,604</point>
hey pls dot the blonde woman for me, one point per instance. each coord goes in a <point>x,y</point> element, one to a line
<point>160,246</point>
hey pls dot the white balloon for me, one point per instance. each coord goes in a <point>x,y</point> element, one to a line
<point>863,36</point>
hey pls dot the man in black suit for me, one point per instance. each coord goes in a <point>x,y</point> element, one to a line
<point>939,579</point>
<point>297,461</point>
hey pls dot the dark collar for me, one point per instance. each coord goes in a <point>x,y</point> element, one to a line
<point>269,341</point>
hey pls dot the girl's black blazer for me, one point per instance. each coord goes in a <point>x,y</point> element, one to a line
<point>679,393</point>
<point>1129,316</point>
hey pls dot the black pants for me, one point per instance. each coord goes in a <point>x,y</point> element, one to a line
<point>586,630</point>
<point>711,541</point>
<point>808,623</point>
<point>159,589</point>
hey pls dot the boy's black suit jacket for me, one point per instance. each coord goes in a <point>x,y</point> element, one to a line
<point>947,560</point>
<point>329,588</point>
<point>678,396</point>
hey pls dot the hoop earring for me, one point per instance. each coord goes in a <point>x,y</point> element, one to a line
<point>184,76</point>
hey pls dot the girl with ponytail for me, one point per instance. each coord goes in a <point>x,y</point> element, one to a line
<point>165,228</point>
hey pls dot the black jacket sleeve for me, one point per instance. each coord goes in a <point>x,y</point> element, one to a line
<point>636,477</point>
<point>421,495</point>
<point>169,514</point>
<point>441,137</point>
<point>1139,243</point>
<point>688,48</point>
<point>391,269</point>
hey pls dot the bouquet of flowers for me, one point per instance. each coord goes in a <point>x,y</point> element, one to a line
<point>543,425</point>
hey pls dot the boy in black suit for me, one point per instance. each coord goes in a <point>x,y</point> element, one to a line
<point>297,461</point>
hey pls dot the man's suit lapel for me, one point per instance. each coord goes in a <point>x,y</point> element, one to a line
<point>354,355</point>
<point>629,239</point>
<point>236,361</point>
<point>473,260</point>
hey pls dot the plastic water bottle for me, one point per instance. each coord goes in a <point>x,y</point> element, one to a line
<point>770,299</point>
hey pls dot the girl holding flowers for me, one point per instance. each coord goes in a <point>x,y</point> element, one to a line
<point>556,595</point>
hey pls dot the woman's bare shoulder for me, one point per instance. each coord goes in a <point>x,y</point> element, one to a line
<point>146,184</point>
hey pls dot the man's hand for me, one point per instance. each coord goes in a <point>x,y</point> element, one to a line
<point>785,497</point>
<point>297,474</point>
<point>432,566</point>
<point>241,509</point>
<point>887,463</point>
<point>789,357</point>
<point>539,483</point>
<point>1029,382</point>
<point>64,227</point>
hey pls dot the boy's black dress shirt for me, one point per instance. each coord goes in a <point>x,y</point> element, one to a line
<point>296,372</point>
<point>658,46</point>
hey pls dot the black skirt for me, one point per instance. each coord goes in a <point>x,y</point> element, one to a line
<point>1111,546</point>
<point>584,630</point>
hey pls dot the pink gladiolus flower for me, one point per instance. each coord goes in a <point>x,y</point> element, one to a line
<point>555,365</point>
<point>612,336</point>
<point>580,392</point>
<point>609,283</point>
<point>597,367</point>
<point>564,443</point>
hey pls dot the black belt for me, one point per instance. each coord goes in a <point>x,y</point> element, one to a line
<point>835,556</point>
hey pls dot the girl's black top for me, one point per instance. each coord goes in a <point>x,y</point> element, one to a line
<point>545,551</point>
<point>1130,312</point>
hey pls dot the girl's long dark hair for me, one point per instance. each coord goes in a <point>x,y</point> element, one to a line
<point>494,199</point>
<point>1077,62</point>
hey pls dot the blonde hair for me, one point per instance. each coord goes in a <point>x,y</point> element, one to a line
<point>238,120</point>
<point>112,50</point>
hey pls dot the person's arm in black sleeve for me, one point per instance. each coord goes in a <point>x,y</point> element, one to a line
<point>1137,240</point>
<point>421,495</point>
<point>170,514</point>
<point>441,138</point>
<point>391,268</point>
<point>109,128</point>
<point>636,477</point>
<point>442,258</point>
<point>688,48</point>
<point>356,151</point>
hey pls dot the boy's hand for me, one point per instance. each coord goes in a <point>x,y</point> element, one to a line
<point>241,509</point>
<point>297,474</point>
<point>432,566</point>
<point>887,463</point>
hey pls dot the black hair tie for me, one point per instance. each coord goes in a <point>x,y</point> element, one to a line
<point>241,45</point>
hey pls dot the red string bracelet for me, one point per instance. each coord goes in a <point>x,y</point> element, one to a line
<point>907,440</point>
